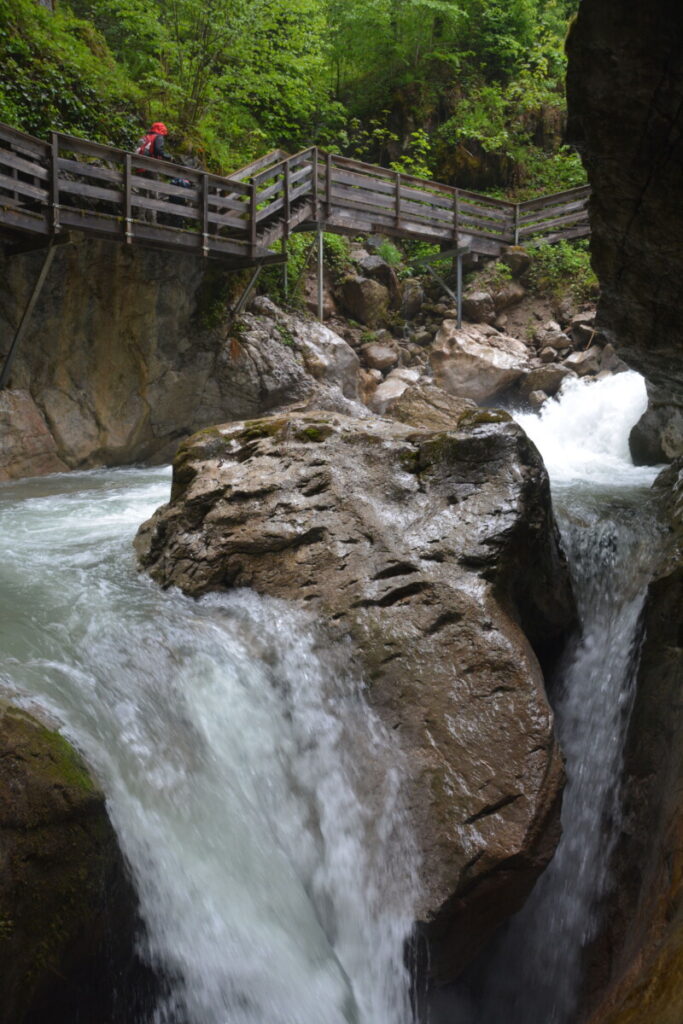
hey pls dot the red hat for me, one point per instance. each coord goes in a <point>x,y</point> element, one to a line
<point>160,128</point>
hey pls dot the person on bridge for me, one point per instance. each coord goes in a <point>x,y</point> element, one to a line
<point>152,142</point>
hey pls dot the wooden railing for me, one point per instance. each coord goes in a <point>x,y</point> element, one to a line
<point>70,184</point>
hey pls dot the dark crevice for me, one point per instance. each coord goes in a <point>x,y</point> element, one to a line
<point>485,812</point>
<point>445,619</point>
<point>394,596</point>
<point>397,569</point>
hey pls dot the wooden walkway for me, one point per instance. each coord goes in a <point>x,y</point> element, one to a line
<point>71,185</point>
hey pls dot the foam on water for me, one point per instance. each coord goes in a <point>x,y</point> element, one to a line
<point>583,433</point>
<point>255,795</point>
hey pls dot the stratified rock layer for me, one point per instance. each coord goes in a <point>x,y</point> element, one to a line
<point>66,911</point>
<point>435,553</point>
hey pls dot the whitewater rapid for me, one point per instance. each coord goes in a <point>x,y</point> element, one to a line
<point>233,749</point>
<point>611,535</point>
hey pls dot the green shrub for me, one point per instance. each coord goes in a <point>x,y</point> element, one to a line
<point>561,268</point>
<point>387,251</point>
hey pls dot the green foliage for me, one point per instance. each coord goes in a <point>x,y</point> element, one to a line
<point>412,84</point>
<point>389,253</point>
<point>561,268</point>
<point>56,72</point>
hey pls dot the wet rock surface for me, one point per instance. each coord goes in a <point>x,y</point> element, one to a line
<point>437,555</point>
<point>67,913</point>
<point>27,447</point>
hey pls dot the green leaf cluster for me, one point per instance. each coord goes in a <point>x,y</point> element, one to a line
<point>421,86</point>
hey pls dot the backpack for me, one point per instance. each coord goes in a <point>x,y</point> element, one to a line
<point>145,146</point>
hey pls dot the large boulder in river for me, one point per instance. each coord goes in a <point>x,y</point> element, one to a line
<point>476,362</point>
<point>66,909</point>
<point>437,555</point>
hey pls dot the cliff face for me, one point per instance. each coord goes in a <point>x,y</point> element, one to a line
<point>120,364</point>
<point>625,89</point>
<point>625,92</point>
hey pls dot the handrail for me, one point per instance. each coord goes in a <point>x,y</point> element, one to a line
<point>74,183</point>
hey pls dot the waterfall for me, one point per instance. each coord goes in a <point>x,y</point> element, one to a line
<point>255,795</point>
<point>610,533</point>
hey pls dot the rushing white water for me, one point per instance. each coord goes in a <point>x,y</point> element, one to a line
<point>237,757</point>
<point>610,533</point>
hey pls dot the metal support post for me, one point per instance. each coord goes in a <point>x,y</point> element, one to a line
<point>458,288</point>
<point>285,271</point>
<point>244,297</point>
<point>320,275</point>
<point>21,329</point>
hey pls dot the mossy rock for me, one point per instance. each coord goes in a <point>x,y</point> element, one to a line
<point>65,903</point>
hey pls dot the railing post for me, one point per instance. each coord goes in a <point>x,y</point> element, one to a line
<point>252,216</point>
<point>127,200</point>
<point>286,204</point>
<point>456,217</point>
<point>328,185</point>
<point>398,199</point>
<point>204,200</point>
<point>314,190</point>
<point>516,224</point>
<point>54,181</point>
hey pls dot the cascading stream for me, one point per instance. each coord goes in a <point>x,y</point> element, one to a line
<point>610,533</point>
<point>237,756</point>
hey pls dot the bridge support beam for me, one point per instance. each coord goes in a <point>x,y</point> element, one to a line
<point>321,254</point>
<point>23,325</point>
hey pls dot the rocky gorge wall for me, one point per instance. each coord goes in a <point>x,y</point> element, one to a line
<point>119,364</point>
<point>625,91</point>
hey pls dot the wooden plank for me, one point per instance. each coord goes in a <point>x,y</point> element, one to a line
<point>555,198</point>
<point>268,211</point>
<point>249,170</point>
<point>18,163</point>
<point>82,169</point>
<point>582,231</point>
<point>272,190</point>
<point>74,144</point>
<point>20,219</point>
<point>545,226</point>
<point>23,143</point>
<point>482,200</point>
<point>538,216</point>
<point>188,212</point>
<point>23,188</point>
<point>219,203</point>
<point>77,188</point>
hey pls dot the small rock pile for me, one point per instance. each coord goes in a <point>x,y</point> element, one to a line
<point>510,350</point>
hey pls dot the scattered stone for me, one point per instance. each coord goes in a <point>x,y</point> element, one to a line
<point>423,337</point>
<point>548,354</point>
<point>471,363</point>
<point>412,297</point>
<point>430,407</point>
<point>584,363</point>
<point>517,259</point>
<point>537,400</point>
<point>405,373</point>
<point>507,294</point>
<point>387,392</point>
<point>478,307</point>
<point>378,269</point>
<point>365,300</point>
<point>548,378</point>
<point>379,357</point>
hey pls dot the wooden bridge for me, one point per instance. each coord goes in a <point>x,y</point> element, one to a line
<point>72,185</point>
<point>50,191</point>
